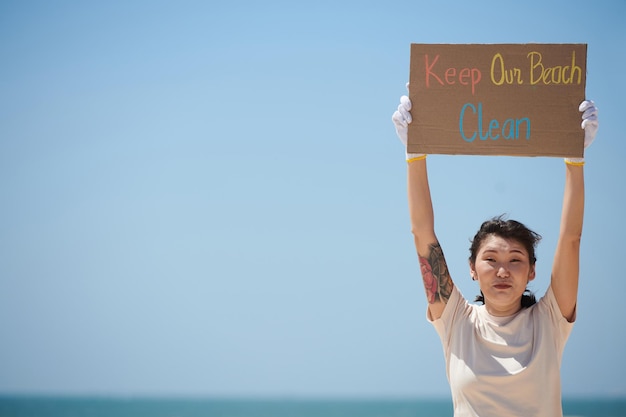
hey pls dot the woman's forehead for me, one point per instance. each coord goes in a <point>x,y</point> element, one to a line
<point>499,244</point>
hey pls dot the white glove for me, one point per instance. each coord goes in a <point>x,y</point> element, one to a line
<point>590,123</point>
<point>401,119</point>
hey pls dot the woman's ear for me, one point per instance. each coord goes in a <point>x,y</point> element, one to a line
<point>472,271</point>
<point>532,273</point>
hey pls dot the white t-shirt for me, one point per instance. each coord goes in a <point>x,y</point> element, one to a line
<point>504,366</point>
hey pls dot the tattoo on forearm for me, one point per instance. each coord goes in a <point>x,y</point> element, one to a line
<point>436,277</point>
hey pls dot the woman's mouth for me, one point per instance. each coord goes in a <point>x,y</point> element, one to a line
<point>502,286</point>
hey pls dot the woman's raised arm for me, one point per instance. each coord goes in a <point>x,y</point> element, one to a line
<point>565,267</point>
<point>437,281</point>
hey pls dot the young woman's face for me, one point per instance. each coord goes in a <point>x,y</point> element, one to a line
<point>503,271</point>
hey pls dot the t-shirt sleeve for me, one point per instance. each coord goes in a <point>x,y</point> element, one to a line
<point>550,307</point>
<point>443,324</point>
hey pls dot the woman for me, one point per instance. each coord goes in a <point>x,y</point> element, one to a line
<point>502,358</point>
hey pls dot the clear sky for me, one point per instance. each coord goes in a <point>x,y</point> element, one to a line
<point>203,198</point>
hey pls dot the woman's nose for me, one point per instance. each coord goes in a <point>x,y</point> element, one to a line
<point>503,272</point>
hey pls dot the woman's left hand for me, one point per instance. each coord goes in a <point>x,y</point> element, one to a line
<point>590,120</point>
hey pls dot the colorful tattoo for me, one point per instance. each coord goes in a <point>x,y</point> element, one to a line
<point>437,281</point>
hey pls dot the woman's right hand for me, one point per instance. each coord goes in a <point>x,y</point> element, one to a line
<point>401,119</point>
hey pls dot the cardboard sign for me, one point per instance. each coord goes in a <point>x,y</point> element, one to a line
<point>497,99</point>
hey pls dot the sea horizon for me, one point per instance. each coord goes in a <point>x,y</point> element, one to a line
<point>186,405</point>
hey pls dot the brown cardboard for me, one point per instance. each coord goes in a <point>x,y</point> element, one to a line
<point>529,109</point>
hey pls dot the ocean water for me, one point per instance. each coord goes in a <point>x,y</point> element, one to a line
<point>24,406</point>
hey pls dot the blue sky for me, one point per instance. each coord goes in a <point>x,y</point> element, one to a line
<point>204,198</point>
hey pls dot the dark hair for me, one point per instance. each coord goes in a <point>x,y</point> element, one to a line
<point>507,229</point>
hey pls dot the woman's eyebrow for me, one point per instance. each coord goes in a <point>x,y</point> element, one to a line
<point>493,250</point>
